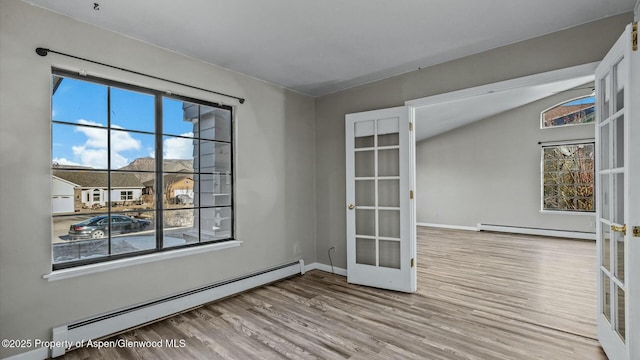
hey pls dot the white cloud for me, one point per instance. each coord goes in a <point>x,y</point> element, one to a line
<point>93,152</point>
<point>178,148</point>
<point>64,161</point>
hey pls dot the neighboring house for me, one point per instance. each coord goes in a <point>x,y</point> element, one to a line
<point>62,192</point>
<point>90,187</point>
<point>174,184</point>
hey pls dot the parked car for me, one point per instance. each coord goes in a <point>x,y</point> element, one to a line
<point>98,227</point>
<point>183,199</point>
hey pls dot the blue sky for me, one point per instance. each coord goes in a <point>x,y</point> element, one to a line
<point>78,102</point>
<point>586,100</point>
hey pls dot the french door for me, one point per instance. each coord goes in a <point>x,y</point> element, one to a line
<point>381,229</point>
<point>618,199</point>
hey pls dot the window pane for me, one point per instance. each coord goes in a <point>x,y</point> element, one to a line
<point>365,192</point>
<point>180,227</point>
<point>215,123</point>
<point>179,118</point>
<point>365,222</point>
<point>127,190</point>
<point>604,147</point>
<point>215,224</point>
<point>132,232</point>
<point>618,241</point>
<point>213,190</point>
<point>215,157</point>
<point>621,323</point>
<point>389,253</point>
<point>618,192</point>
<point>80,250</point>
<point>389,162</point>
<point>178,190</point>
<point>605,193</point>
<point>389,223</point>
<point>620,75</point>
<point>606,295</point>
<point>605,99</point>
<point>179,148</point>
<point>75,100</point>
<point>618,151</point>
<point>80,145</point>
<point>389,193</point>
<point>364,164</point>
<point>365,251</point>
<point>573,112</point>
<point>132,110</point>
<point>606,247</point>
<point>128,147</point>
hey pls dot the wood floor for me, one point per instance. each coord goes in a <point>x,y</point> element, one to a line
<point>480,296</point>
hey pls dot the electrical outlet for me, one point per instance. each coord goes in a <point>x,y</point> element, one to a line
<point>332,247</point>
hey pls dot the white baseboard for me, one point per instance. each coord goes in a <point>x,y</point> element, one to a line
<point>326,268</point>
<point>35,354</point>
<point>101,326</point>
<point>453,227</point>
<point>536,231</point>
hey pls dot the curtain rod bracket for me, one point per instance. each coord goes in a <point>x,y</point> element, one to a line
<point>44,52</point>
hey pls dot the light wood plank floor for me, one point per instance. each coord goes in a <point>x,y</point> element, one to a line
<point>481,296</point>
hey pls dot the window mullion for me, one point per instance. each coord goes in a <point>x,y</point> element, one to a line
<point>159,193</point>
<point>109,169</point>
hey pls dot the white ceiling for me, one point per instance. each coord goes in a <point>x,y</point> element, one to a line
<point>323,46</point>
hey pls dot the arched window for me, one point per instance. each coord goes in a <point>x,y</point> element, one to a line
<point>576,111</point>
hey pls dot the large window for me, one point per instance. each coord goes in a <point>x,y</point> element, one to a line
<point>568,177</point>
<point>147,172</point>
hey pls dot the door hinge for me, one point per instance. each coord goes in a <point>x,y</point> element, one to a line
<point>411,194</point>
<point>413,262</point>
<point>410,126</point>
<point>634,36</point>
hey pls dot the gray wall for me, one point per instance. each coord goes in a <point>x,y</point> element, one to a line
<point>575,46</point>
<point>489,171</point>
<point>274,174</point>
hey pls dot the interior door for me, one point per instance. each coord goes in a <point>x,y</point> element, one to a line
<point>618,199</point>
<point>381,229</point>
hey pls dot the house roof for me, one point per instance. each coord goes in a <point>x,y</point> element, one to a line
<point>169,179</point>
<point>98,179</point>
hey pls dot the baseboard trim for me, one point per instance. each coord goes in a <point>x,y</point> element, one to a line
<point>453,227</point>
<point>114,322</point>
<point>537,231</point>
<point>326,268</point>
<point>35,354</point>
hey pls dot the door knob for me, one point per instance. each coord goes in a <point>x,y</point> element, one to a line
<point>351,206</point>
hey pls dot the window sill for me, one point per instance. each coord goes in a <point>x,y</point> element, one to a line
<point>561,212</point>
<point>118,264</point>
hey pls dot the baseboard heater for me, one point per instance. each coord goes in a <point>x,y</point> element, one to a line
<point>117,321</point>
<point>538,231</point>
